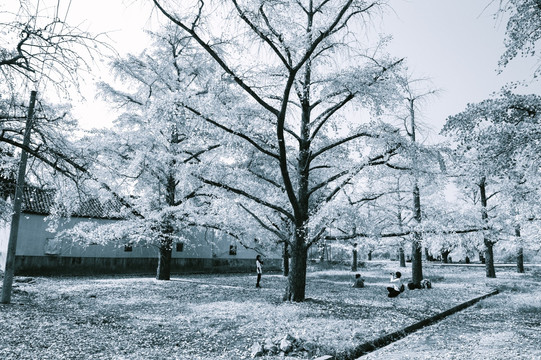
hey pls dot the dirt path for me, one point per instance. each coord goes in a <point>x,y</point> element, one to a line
<point>505,326</point>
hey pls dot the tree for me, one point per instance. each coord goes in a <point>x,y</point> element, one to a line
<point>151,154</point>
<point>497,140</point>
<point>40,50</point>
<point>278,54</point>
<point>522,30</point>
<point>12,242</point>
<point>522,215</point>
<point>450,220</point>
<point>417,161</point>
<point>38,46</point>
<point>52,153</point>
<point>413,97</point>
<point>37,50</point>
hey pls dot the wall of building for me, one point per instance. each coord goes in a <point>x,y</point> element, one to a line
<point>4,237</point>
<point>67,265</point>
<point>38,252</point>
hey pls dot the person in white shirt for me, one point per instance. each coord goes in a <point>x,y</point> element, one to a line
<point>258,264</point>
<point>397,286</point>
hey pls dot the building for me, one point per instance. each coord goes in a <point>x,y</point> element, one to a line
<point>39,252</point>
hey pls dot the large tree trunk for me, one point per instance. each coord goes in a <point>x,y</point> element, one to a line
<point>428,256</point>
<point>296,287</point>
<point>489,253</point>
<point>489,259</point>
<point>164,263</point>
<point>416,262</point>
<point>445,256</point>
<point>520,251</point>
<point>520,260</point>
<point>417,246</point>
<point>296,280</point>
<point>285,258</point>
<point>354,260</point>
<point>166,227</point>
<point>416,253</point>
<point>402,257</point>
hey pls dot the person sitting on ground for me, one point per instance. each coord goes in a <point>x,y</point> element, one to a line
<point>359,282</point>
<point>398,287</point>
<point>424,284</point>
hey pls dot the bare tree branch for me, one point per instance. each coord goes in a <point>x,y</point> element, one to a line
<point>275,231</point>
<point>217,58</point>
<point>231,131</point>
<point>248,196</point>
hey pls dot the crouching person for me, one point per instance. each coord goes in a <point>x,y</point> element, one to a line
<point>424,284</point>
<point>397,286</point>
<point>359,281</point>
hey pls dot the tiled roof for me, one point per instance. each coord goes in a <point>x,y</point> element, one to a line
<point>41,201</point>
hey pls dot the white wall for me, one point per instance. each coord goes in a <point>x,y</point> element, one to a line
<point>4,239</point>
<point>35,240</point>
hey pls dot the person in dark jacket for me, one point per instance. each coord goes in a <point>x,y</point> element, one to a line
<point>359,281</point>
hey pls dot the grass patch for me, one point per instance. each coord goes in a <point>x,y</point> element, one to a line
<point>221,316</point>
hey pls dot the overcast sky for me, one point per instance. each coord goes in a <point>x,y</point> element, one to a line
<point>455,43</point>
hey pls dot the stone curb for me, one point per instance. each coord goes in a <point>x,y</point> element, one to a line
<point>385,340</point>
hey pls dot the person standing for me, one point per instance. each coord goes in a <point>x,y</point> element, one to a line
<point>258,264</point>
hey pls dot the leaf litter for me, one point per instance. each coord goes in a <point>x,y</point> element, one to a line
<point>220,316</point>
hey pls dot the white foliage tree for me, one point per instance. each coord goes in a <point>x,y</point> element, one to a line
<point>296,69</point>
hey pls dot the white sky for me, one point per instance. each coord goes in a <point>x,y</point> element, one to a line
<point>455,43</point>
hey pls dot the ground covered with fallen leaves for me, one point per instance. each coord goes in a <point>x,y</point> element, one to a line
<point>222,316</point>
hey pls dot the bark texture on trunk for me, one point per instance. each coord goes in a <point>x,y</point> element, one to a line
<point>520,260</point>
<point>164,263</point>
<point>296,280</point>
<point>296,284</point>
<point>489,252</point>
<point>417,246</point>
<point>520,251</point>
<point>416,263</point>
<point>285,258</point>
<point>489,259</point>
<point>402,257</point>
<point>354,260</point>
<point>166,228</point>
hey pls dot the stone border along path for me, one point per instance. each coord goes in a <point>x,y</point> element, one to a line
<point>385,340</point>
